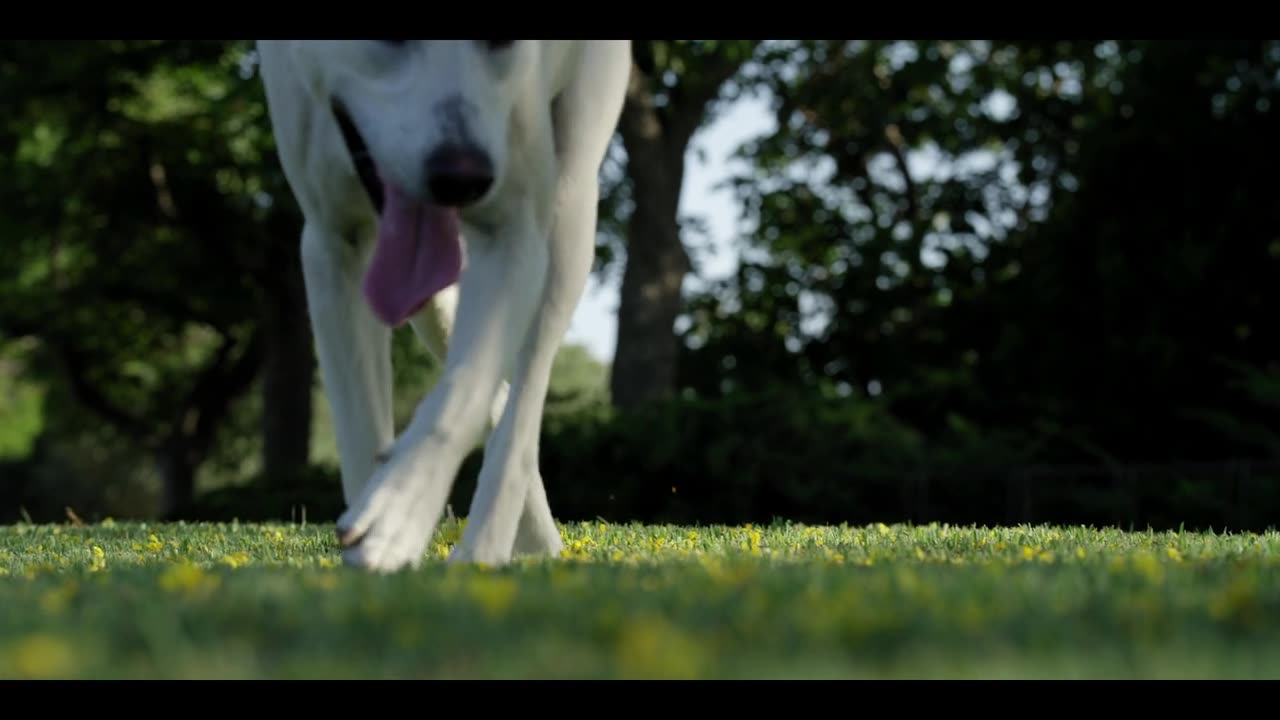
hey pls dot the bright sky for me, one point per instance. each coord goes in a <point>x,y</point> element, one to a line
<point>595,323</point>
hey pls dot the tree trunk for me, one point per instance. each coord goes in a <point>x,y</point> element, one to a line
<point>192,435</point>
<point>177,477</point>
<point>287,384</point>
<point>656,136</point>
<point>644,366</point>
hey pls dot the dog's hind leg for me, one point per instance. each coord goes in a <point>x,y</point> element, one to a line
<point>538,533</point>
<point>354,354</point>
<point>585,117</point>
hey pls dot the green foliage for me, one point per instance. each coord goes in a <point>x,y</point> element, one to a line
<point>230,484</point>
<point>22,401</point>
<point>783,453</point>
<point>639,602</point>
<point>579,385</point>
<point>148,227</point>
<point>1252,424</point>
<point>1076,267</point>
<point>142,199</point>
<point>779,453</point>
<point>734,459</point>
<point>1083,241</point>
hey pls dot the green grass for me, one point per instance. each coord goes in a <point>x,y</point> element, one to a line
<point>251,601</point>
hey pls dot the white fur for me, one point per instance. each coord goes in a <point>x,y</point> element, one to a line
<point>545,112</point>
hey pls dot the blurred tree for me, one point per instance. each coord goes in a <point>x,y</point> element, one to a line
<point>152,248</point>
<point>1027,235</point>
<point>1150,290</point>
<point>898,168</point>
<point>674,89</point>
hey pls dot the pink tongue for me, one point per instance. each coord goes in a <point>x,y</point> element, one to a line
<point>418,254</point>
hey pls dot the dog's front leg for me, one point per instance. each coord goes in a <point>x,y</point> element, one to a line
<point>389,525</point>
<point>585,115</point>
<point>354,353</point>
<point>510,471</point>
<point>538,533</point>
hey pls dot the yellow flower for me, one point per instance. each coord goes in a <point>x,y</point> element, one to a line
<point>42,657</point>
<point>236,560</point>
<point>1080,553</point>
<point>187,579</point>
<point>649,648</point>
<point>493,593</point>
<point>1235,602</point>
<point>1149,567</point>
<point>155,544</point>
<point>1174,554</point>
<point>99,561</point>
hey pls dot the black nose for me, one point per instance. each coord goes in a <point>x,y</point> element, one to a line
<point>458,175</point>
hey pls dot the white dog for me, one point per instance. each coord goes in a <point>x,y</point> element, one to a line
<point>395,149</point>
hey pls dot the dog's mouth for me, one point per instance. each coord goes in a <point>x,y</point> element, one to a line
<point>418,251</point>
<point>360,156</point>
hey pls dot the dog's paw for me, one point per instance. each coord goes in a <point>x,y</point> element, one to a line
<point>471,550</point>
<point>539,541</point>
<point>388,527</point>
<point>526,546</point>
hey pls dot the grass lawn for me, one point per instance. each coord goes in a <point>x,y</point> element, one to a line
<point>124,600</point>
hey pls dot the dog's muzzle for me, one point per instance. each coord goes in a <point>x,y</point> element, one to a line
<point>458,175</point>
